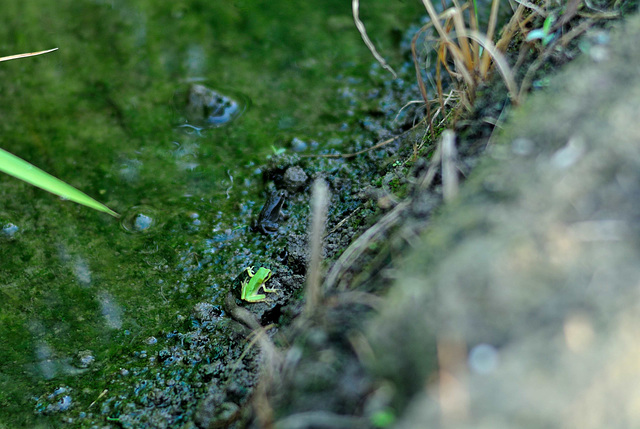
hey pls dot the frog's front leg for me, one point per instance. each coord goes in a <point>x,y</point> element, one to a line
<point>265,289</point>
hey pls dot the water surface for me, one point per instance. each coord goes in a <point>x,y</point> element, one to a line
<point>81,292</point>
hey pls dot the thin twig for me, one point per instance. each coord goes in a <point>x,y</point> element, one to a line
<point>543,13</point>
<point>360,152</point>
<point>377,231</point>
<point>359,246</point>
<point>570,10</point>
<point>421,85</point>
<point>355,5</point>
<point>493,20</point>
<point>342,222</point>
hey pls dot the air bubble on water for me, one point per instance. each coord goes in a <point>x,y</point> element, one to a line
<point>140,220</point>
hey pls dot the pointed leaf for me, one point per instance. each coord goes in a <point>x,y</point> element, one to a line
<point>22,170</point>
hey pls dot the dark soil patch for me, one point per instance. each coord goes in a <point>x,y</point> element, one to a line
<point>319,368</point>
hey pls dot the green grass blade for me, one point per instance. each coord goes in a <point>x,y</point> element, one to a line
<point>22,170</point>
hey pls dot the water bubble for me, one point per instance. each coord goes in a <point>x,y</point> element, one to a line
<point>140,220</point>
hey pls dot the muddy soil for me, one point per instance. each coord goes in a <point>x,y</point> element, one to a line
<point>510,306</point>
<point>515,306</point>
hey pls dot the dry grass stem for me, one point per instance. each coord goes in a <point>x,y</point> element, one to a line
<point>30,54</point>
<point>262,405</point>
<point>421,85</point>
<point>355,5</point>
<point>510,29</point>
<point>272,357</point>
<point>464,52</point>
<point>349,257</point>
<point>449,168</point>
<point>563,41</point>
<point>369,149</point>
<point>543,13</point>
<point>497,126</point>
<point>493,21</point>
<point>319,204</point>
<point>426,180</point>
<point>500,62</point>
<point>342,222</point>
<point>453,391</point>
<point>361,347</point>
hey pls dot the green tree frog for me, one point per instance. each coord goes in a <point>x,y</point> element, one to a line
<point>256,281</point>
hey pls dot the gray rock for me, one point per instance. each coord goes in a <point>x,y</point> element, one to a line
<point>294,178</point>
<point>535,265</point>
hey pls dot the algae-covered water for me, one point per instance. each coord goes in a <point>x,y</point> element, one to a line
<point>84,296</point>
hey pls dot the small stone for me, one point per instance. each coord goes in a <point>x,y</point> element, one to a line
<point>9,230</point>
<point>205,312</point>
<point>295,178</point>
<point>298,145</point>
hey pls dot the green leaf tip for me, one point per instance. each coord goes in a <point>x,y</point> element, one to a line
<point>29,173</point>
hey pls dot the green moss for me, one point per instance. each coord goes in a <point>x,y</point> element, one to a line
<point>99,114</point>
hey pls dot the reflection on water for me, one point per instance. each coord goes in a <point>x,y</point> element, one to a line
<point>111,311</point>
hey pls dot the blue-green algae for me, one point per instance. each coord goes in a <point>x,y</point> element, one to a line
<point>83,296</point>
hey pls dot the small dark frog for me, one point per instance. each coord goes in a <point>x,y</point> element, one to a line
<point>267,221</point>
